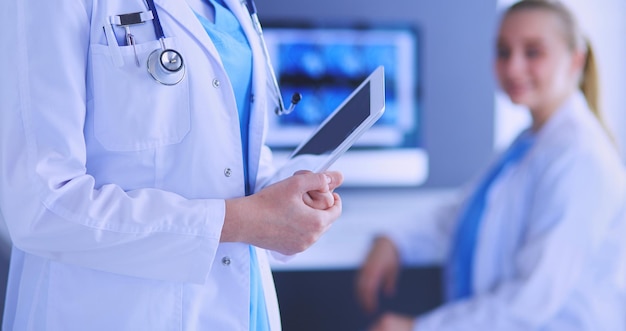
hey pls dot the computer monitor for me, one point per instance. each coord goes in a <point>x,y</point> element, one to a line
<point>325,64</point>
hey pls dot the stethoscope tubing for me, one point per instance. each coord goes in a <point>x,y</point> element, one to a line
<point>160,73</point>
<point>158,28</point>
<point>280,107</point>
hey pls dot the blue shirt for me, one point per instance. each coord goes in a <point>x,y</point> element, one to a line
<point>236,56</point>
<point>459,271</point>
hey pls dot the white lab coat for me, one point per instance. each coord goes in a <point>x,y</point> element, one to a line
<point>112,185</point>
<point>551,253</point>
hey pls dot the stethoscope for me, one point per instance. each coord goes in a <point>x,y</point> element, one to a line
<point>167,66</point>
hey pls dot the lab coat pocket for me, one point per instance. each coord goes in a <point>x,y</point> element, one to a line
<point>84,299</point>
<point>132,111</point>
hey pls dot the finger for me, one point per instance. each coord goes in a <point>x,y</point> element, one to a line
<point>309,181</point>
<point>364,301</point>
<point>336,208</point>
<point>367,289</point>
<point>371,297</point>
<point>336,179</point>
<point>324,218</point>
<point>319,200</point>
<point>367,300</point>
<point>331,215</point>
<point>389,286</point>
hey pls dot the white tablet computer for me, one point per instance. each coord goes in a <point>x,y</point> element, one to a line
<point>357,113</point>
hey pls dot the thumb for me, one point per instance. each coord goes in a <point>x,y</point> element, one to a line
<point>336,179</point>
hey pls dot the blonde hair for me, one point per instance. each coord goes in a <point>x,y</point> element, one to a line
<point>589,82</point>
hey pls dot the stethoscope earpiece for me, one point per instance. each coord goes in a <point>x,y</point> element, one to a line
<point>166,66</point>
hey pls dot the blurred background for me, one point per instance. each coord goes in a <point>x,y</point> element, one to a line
<point>445,119</point>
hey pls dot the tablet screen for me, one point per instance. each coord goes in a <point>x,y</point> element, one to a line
<point>340,130</point>
<point>340,126</point>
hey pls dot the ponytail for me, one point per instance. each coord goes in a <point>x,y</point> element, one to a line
<point>590,86</point>
<point>589,83</point>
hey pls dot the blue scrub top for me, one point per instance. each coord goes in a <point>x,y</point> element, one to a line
<point>236,56</point>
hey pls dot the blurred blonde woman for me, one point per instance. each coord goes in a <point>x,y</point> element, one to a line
<point>538,243</point>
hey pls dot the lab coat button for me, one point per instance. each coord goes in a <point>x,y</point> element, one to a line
<point>226,261</point>
<point>216,83</point>
<point>228,172</point>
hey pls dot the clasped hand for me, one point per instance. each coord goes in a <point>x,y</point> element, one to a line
<point>379,273</point>
<point>288,216</point>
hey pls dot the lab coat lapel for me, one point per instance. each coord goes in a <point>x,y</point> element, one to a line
<point>259,88</point>
<point>256,140</point>
<point>184,16</point>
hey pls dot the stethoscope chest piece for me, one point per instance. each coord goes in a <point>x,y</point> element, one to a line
<point>166,66</point>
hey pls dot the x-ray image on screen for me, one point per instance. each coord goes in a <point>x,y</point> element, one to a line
<point>325,64</point>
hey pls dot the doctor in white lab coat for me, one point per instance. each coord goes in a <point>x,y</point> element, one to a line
<point>125,199</point>
<point>537,244</point>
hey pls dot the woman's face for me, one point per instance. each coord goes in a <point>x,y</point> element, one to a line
<point>534,65</point>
